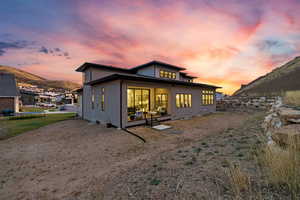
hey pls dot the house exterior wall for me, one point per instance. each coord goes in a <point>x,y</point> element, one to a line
<point>147,71</point>
<point>111,113</point>
<point>197,107</point>
<point>8,103</point>
<point>176,113</point>
<point>91,73</point>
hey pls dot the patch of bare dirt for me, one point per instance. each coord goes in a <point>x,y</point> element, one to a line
<point>76,160</point>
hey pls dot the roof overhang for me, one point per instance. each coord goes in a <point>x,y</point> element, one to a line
<point>147,79</point>
<point>99,66</point>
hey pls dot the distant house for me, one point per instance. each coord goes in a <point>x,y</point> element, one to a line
<point>9,93</point>
<point>28,97</point>
<point>127,97</point>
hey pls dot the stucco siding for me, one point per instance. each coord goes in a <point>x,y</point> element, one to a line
<point>197,107</point>
<point>111,113</point>
<point>148,71</point>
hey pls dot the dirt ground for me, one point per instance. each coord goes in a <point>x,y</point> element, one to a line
<point>77,160</point>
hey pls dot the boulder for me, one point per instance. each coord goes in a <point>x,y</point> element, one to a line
<point>289,113</point>
<point>294,121</point>
<point>287,135</point>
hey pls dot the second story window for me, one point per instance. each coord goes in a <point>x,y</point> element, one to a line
<point>167,74</point>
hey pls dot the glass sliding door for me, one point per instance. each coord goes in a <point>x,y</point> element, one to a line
<point>161,103</point>
<point>138,102</point>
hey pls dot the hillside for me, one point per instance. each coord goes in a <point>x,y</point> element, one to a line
<point>281,79</point>
<point>24,78</point>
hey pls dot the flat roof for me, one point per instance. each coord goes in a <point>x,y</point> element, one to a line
<point>146,79</point>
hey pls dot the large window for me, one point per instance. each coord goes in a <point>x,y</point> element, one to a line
<point>207,97</point>
<point>183,100</point>
<point>102,99</point>
<point>138,101</point>
<point>167,74</point>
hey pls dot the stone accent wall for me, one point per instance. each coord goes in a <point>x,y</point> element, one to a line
<point>7,103</point>
<point>246,102</point>
<point>282,124</point>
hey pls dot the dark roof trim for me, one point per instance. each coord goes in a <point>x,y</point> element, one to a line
<point>154,62</point>
<point>79,90</point>
<point>147,79</point>
<point>86,65</point>
<point>186,75</point>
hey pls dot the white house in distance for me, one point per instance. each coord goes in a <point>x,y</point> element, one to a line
<point>9,93</point>
<point>128,97</point>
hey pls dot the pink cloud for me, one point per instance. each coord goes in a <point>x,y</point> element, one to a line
<point>217,42</point>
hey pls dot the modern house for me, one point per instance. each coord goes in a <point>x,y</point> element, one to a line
<point>128,97</point>
<point>9,93</point>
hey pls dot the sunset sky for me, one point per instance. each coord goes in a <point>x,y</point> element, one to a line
<point>225,42</point>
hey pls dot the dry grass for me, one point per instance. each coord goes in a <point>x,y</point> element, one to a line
<point>239,180</point>
<point>282,167</point>
<point>278,169</point>
<point>292,98</point>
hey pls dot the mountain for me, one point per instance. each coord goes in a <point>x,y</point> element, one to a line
<point>27,78</point>
<point>281,79</point>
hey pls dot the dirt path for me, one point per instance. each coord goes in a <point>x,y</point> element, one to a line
<point>83,161</point>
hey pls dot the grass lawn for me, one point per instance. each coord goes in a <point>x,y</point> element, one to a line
<point>15,127</point>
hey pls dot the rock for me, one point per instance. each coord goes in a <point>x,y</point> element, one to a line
<point>289,113</point>
<point>272,121</point>
<point>296,121</point>
<point>287,134</point>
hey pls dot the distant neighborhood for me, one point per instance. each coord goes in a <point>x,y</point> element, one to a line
<point>21,96</point>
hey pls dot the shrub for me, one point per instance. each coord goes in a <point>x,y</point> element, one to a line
<point>25,117</point>
<point>7,112</point>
